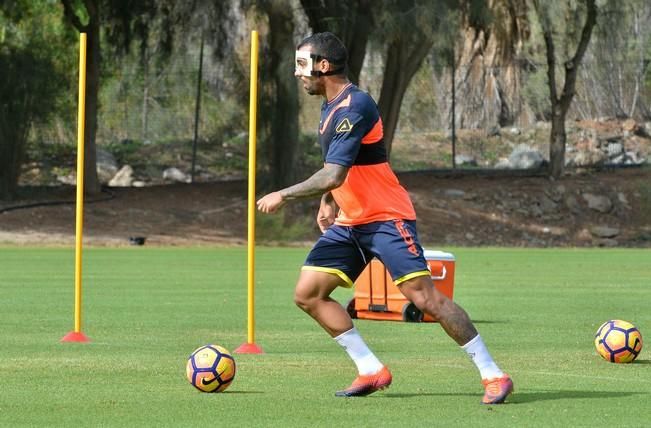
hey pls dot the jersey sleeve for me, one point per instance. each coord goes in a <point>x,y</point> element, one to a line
<point>349,129</point>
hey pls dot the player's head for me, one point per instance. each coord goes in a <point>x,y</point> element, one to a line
<point>320,55</point>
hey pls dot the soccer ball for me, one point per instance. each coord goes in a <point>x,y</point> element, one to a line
<point>210,368</point>
<point>618,341</point>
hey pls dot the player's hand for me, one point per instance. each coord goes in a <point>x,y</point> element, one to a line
<point>270,203</point>
<point>326,216</point>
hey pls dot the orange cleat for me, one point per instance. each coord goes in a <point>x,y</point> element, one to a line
<point>367,384</point>
<point>497,389</point>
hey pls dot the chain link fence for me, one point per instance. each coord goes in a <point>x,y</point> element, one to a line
<point>147,118</point>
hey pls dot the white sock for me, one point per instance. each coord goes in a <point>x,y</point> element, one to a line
<point>366,362</point>
<point>479,355</point>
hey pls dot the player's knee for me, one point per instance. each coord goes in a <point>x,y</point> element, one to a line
<point>303,300</point>
<point>425,297</point>
<point>428,304</point>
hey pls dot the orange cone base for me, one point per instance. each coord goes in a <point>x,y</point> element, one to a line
<point>74,336</point>
<point>249,348</point>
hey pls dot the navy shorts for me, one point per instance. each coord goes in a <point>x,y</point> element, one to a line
<point>346,250</point>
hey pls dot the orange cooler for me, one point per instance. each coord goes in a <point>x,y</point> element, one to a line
<point>377,297</point>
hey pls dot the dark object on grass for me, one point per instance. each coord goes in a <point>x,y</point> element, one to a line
<point>137,240</point>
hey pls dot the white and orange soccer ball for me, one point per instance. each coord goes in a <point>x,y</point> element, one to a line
<point>210,368</point>
<point>618,341</point>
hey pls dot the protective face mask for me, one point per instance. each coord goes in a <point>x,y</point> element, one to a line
<point>304,63</point>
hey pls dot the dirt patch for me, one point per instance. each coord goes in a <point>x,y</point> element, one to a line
<point>477,210</point>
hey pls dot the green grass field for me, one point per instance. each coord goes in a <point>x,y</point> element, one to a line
<point>145,310</point>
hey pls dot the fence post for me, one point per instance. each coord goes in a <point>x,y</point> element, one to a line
<point>197,109</point>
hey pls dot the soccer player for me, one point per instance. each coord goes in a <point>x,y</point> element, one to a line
<point>375,218</point>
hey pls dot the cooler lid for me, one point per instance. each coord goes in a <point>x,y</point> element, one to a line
<point>438,255</point>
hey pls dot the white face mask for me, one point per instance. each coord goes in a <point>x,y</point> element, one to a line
<point>304,63</point>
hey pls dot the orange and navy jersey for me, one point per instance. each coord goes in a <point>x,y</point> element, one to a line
<point>351,135</point>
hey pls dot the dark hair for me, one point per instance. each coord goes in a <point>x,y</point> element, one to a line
<point>328,46</point>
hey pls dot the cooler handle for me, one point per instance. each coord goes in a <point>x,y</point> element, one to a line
<point>444,273</point>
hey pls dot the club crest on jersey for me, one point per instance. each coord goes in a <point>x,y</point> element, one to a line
<point>344,126</point>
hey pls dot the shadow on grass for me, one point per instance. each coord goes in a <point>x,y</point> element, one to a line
<point>489,322</point>
<point>529,397</point>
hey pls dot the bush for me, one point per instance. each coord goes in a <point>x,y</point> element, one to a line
<point>28,88</point>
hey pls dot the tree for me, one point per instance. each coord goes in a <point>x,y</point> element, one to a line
<point>279,106</point>
<point>560,102</point>
<point>124,21</point>
<point>352,21</point>
<point>409,28</point>
<point>488,69</point>
<point>93,60</point>
<point>613,84</point>
<point>32,81</point>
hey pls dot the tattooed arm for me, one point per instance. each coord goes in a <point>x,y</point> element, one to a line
<point>327,178</point>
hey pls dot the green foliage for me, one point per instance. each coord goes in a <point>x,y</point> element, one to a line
<point>419,109</point>
<point>50,154</point>
<point>284,227</point>
<point>125,151</point>
<point>32,66</point>
<point>536,92</point>
<point>310,157</point>
<point>144,99</point>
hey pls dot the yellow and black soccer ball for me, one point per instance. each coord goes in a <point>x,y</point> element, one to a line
<point>210,368</point>
<point>618,341</point>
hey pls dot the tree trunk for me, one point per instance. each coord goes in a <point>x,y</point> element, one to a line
<point>281,117</point>
<point>403,60</point>
<point>561,102</point>
<point>93,60</point>
<point>91,180</point>
<point>14,125</point>
<point>144,120</point>
<point>488,78</point>
<point>557,145</point>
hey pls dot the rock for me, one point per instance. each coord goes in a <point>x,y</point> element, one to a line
<point>586,158</point>
<point>455,193</point>
<point>503,163</point>
<point>70,179</point>
<point>633,158</point>
<point>123,178</point>
<point>547,205</point>
<point>629,125</point>
<point>493,132</point>
<point>573,204</point>
<point>461,160</point>
<point>600,203</point>
<point>646,128</point>
<point>607,242</point>
<point>604,231</point>
<point>174,174</point>
<point>524,157</point>
<point>107,166</point>
<point>584,235</point>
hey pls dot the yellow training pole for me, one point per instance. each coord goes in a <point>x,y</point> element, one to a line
<point>77,335</point>
<point>250,347</point>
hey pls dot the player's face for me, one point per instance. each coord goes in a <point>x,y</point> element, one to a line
<point>303,70</point>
